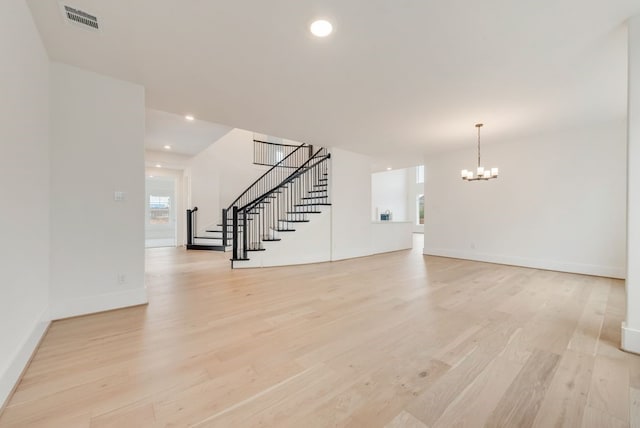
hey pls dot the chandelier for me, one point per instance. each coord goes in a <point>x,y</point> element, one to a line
<point>482,173</point>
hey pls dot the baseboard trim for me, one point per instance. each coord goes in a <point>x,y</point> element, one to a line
<point>630,339</point>
<point>559,266</point>
<point>11,377</point>
<point>68,308</point>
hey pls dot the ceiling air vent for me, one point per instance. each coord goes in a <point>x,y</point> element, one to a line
<point>80,17</point>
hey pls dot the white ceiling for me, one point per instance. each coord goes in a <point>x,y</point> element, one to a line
<point>404,75</point>
<point>185,137</point>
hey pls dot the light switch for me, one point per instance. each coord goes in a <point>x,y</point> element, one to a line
<point>118,196</point>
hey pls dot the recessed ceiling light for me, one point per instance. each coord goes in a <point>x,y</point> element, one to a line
<point>190,118</point>
<point>158,165</point>
<point>167,147</point>
<point>321,28</point>
<point>388,168</point>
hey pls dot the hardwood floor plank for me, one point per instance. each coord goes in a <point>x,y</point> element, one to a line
<point>595,418</point>
<point>564,403</point>
<point>609,390</point>
<point>429,406</point>
<point>520,404</point>
<point>405,420</point>
<point>474,405</point>
<point>585,337</point>
<point>634,410</point>
<point>135,415</point>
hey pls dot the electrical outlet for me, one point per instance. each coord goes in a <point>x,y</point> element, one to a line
<point>122,278</point>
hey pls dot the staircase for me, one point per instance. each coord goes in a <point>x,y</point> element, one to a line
<point>209,242</point>
<point>294,189</point>
<point>289,193</point>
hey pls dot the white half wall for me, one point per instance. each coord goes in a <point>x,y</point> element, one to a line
<point>391,236</point>
<point>24,174</point>
<point>97,242</point>
<point>558,204</point>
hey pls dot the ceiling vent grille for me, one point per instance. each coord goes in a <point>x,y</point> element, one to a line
<point>80,17</point>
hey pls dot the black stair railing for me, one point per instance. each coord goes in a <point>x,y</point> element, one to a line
<point>279,208</point>
<point>271,154</point>
<point>191,225</point>
<point>272,177</point>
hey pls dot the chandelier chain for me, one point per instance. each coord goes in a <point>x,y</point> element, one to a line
<point>479,126</point>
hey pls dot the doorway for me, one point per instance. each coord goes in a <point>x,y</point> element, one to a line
<point>160,212</point>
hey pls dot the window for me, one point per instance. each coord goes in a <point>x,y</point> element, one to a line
<point>420,174</point>
<point>159,207</point>
<point>420,205</point>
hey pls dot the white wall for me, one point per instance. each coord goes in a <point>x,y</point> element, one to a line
<point>310,243</point>
<point>559,203</point>
<point>389,192</point>
<point>350,182</point>
<point>220,173</point>
<point>97,133</point>
<point>631,327</point>
<point>24,174</point>
<point>168,160</point>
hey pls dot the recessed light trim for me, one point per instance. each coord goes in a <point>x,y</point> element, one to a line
<point>388,168</point>
<point>190,118</point>
<point>167,147</point>
<point>158,165</point>
<point>321,28</point>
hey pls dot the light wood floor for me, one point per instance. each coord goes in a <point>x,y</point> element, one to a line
<point>395,340</point>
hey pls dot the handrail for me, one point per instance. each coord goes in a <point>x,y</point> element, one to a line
<point>274,144</point>
<point>293,175</point>
<point>263,175</point>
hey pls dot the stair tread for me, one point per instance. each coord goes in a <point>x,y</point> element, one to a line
<point>296,221</point>
<point>304,212</point>
<point>206,247</point>
<point>272,239</point>
<point>284,230</point>
<point>313,205</point>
